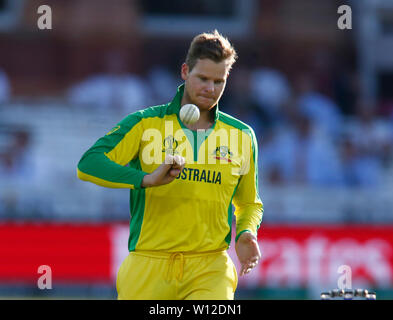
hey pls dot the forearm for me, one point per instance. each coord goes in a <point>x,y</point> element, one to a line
<point>248,218</point>
<point>147,181</point>
<point>99,169</point>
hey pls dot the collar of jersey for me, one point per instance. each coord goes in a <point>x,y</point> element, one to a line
<point>175,104</point>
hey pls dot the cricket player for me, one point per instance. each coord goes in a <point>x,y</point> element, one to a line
<point>183,179</point>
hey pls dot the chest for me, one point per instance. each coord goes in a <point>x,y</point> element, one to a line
<point>214,156</point>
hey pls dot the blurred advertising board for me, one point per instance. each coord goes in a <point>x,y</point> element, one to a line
<point>292,256</point>
<point>318,256</point>
<point>74,253</point>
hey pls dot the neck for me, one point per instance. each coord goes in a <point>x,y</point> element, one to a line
<point>205,121</point>
<point>199,126</point>
<point>206,115</point>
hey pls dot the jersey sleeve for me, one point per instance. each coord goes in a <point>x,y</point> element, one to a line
<point>105,163</point>
<point>248,205</point>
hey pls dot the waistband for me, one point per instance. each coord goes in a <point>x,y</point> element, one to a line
<point>172,257</point>
<point>167,255</point>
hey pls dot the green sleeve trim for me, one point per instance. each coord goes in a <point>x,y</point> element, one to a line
<point>137,211</point>
<point>228,238</point>
<point>231,121</point>
<point>241,232</point>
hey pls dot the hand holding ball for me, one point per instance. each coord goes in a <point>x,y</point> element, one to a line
<point>189,114</point>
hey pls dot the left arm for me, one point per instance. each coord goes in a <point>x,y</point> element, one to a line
<point>248,210</point>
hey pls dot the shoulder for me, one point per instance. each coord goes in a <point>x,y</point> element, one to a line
<point>158,111</point>
<point>235,123</point>
<point>152,112</point>
<point>244,128</point>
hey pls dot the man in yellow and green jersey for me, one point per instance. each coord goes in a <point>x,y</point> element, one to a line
<point>183,180</point>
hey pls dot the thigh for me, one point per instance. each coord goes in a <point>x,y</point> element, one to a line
<point>214,278</point>
<point>143,278</point>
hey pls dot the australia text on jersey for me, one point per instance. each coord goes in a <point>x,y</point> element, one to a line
<point>208,176</point>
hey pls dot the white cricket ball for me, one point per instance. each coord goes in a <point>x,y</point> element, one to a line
<point>189,113</point>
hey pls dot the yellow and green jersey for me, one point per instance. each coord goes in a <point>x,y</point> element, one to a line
<point>193,213</point>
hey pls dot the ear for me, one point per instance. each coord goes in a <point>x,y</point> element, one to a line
<point>184,71</point>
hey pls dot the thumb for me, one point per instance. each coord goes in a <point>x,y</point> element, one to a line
<point>165,166</point>
<point>169,160</point>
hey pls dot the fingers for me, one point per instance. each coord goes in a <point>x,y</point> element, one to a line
<point>176,164</point>
<point>248,266</point>
<point>176,161</point>
<point>245,270</point>
<point>174,172</point>
<point>169,169</point>
<point>169,159</point>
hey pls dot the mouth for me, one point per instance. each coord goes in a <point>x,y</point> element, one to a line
<point>207,98</point>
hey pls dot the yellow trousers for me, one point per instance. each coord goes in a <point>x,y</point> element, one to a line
<point>149,275</point>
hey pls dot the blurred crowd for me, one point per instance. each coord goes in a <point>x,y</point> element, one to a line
<point>308,136</point>
<point>313,129</point>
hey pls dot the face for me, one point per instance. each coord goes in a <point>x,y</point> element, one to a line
<point>205,83</point>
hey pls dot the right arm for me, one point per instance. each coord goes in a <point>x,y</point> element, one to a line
<point>104,163</point>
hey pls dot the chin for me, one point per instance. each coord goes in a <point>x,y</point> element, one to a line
<point>206,105</point>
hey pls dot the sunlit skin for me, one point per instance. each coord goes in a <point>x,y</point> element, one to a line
<point>204,86</point>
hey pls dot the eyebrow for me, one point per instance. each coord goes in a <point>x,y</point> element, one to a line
<point>204,76</point>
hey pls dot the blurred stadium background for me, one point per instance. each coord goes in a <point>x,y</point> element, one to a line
<point>319,98</point>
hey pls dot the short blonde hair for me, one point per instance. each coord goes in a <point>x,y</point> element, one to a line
<point>213,46</point>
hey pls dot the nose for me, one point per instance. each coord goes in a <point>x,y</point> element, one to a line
<point>209,87</point>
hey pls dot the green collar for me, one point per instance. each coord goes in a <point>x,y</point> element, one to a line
<point>175,106</point>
